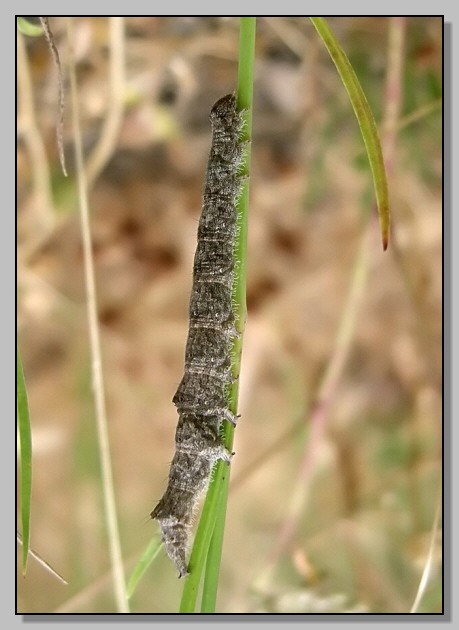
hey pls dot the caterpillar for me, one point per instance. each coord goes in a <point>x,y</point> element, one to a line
<point>202,395</point>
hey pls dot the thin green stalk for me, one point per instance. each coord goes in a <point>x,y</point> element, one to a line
<point>96,354</point>
<point>419,114</point>
<point>147,558</point>
<point>213,561</point>
<point>207,547</point>
<point>25,440</point>
<point>201,544</point>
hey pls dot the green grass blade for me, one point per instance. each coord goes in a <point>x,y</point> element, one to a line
<point>147,558</point>
<point>27,28</point>
<point>25,440</point>
<point>366,122</point>
<point>211,575</point>
<point>209,536</point>
<point>201,543</point>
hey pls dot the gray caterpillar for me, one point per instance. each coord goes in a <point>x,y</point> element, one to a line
<point>201,397</point>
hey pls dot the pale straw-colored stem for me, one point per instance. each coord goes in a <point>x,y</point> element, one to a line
<point>429,560</point>
<point>95,346</point>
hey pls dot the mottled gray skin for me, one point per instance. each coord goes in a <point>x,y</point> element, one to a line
<point>218,220</point>
<point>202,396</point>
<point>207,347</point>
<point>214,258</point>
<point>196,434</point>
<point>202,391</point>
<point>211,301</point>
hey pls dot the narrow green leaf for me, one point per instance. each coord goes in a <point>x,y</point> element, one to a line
<point>25,440</point>
<point>211,576</point>
<point>147,558</point>
<point>27,28</point>
<point>201,544</point>
<point>366,122</point>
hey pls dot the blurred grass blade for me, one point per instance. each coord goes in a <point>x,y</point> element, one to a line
<point>25,440</point>
<point>365,119</point>
<point>147,558</point>
<point>28,28</point>
<point>429,563</point>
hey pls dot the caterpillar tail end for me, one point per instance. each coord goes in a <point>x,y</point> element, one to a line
<point>175,537</point>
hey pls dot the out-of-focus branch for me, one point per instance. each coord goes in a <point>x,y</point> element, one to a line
<point>111,128</point>
<point>419,113</point>
<point>28,129</point>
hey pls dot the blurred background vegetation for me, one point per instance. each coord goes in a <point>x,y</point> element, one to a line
<point>332,502</point>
